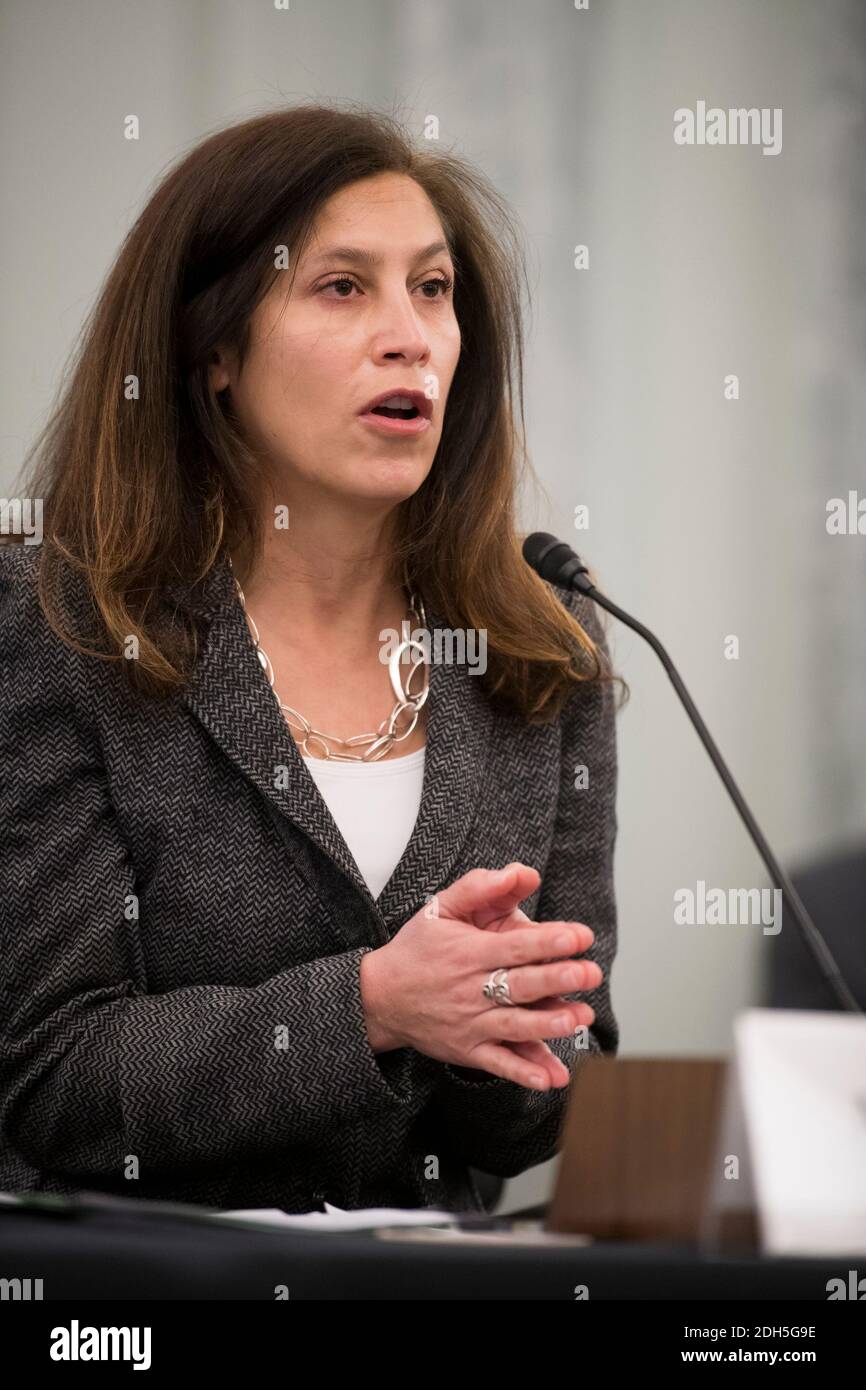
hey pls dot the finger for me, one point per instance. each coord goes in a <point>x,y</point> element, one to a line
<point>581,1012</point>
<point>527,1025</point>
<point>527,983</point>
<point>505,1062</point>
<point>516,918</point>
<point>510,886</point>
<point>530,943</point>
<point>541,1056</point>
<point>477,890</point>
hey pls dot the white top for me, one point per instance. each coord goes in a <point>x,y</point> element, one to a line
<point>375,806</point>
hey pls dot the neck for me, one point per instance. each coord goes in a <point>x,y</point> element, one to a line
<point>330,573</point>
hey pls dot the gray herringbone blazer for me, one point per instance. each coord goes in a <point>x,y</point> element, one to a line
<point>167,910</point>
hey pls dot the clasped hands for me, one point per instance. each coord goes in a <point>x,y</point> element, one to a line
<point>509,887</point>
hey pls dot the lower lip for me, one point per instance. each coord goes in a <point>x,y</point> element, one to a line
<point>417,425</point>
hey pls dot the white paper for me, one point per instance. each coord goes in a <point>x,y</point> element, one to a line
<point>335,1219</point>
<point>802,1077</point>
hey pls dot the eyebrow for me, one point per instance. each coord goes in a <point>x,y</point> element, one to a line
<point>359,256</point>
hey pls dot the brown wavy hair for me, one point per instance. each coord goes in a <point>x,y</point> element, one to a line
<point>139,494</point>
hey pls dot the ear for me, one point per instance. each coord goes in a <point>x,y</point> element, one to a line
<point>219,374</point>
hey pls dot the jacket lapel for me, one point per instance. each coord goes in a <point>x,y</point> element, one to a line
<point>459,735</point>
<point>230,695</point>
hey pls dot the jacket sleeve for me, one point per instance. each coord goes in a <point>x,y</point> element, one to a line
<point>498,1126</point>
<point>92,1067</point>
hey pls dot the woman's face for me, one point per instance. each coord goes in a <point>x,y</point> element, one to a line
<point>346,332</point>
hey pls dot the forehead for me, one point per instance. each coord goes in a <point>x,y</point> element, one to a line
<point>382,213</point>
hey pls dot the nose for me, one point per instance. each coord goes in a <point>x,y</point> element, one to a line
<point>398,330</point>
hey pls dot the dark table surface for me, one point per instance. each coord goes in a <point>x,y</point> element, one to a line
<point>108,1250</point>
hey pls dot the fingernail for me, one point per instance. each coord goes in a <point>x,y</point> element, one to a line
<point>562,1021</point>
<point>536,1079</point>
<point>565,941</point>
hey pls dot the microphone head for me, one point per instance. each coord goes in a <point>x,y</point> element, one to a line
<point>553,560</point>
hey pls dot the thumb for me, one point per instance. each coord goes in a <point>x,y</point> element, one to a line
<point>484,894</point>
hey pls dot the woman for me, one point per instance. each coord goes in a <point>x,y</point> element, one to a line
<point>285,920</point>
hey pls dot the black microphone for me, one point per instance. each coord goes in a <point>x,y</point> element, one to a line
<point>557,563</point>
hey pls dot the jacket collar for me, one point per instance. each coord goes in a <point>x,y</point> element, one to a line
<point>230,695</point>
<point>206,597</point>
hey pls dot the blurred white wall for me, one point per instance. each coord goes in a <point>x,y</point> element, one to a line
<point>707,516</point>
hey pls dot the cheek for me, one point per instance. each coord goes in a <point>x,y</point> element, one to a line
<point>292,375</point>
<point>450,336</point>
<point>450,352</point>
<point>312,364</point>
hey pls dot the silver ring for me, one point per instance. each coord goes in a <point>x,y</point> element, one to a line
<point>496,988</point>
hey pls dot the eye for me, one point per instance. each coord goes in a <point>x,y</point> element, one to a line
<point>343,280</point>
<point>443,286</point>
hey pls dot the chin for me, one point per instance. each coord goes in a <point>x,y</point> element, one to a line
<point>390,480</point>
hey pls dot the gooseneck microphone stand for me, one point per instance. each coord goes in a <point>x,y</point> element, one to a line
<point>556,562</point>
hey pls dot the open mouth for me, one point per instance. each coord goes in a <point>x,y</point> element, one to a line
<point>395,412</point>
<point>399,413</point>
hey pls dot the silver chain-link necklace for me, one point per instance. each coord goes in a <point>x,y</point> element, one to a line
<point>387,734</point>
